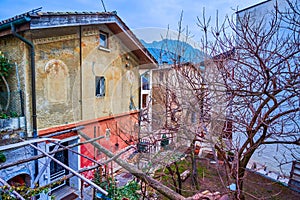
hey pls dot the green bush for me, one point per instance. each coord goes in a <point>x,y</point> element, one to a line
<point>129,191</point>
<point>6,115</point>
<point>5,65</point>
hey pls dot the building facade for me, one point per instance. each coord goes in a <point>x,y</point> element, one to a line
<point>79,72</point>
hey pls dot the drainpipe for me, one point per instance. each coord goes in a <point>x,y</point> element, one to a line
<point>33,90</point>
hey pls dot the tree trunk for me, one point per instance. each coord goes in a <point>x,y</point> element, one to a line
<point>173,178</point>
<point>194,171</point>
<point>240,176</point>
<point>239,194</point>
<point>178,178</point>
<point>194,167</point>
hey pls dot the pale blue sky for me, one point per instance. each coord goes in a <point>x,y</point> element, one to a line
<point>145,17</point>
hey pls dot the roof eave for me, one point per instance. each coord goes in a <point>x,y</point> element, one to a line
<point>250,7</point>
<point>110,19</point>
<point>66,19</point>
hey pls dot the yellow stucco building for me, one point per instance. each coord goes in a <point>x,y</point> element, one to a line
<point>78,71</point>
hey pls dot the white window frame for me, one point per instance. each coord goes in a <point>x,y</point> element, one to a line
<point>103,41</point>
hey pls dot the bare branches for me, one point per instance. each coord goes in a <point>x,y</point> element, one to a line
<point>136,172</point>
<point>261,78</point>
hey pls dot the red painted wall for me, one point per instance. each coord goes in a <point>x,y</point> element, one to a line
<point>123,132</point>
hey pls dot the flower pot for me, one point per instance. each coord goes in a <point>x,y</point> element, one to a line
<point>197,150</point>
<point>22,122</point>
<point>12,123</point>
<point>5,124</point>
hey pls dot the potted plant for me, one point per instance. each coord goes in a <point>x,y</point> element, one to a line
<point>11,121</point>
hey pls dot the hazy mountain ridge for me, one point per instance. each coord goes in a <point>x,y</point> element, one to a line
<point>168,51</point>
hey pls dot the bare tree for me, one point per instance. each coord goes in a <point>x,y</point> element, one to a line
<point>262,79</point>
<point>252,99</point>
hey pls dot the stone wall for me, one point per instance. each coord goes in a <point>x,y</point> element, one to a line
<point>14,155</point>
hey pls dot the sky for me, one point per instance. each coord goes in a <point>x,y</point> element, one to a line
<point>148,19</point>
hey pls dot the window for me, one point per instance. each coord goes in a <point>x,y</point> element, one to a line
<point>103,40</point>
<point>100,86</point>
<point>57,171</point>
<point>145,82</point>
<point>144,100</point>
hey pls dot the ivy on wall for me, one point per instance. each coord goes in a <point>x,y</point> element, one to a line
<point>5,69</point>
<point>5,66</point>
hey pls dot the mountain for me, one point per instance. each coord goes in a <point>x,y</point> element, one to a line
<point>168,51</point>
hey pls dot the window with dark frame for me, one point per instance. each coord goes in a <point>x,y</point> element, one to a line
<point>103,40</point>
<point>100,86</point>
<point>56,170</point>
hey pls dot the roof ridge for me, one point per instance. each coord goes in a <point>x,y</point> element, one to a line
<point>38,12</point>
<point>74,12</point>
<point>26,14</point>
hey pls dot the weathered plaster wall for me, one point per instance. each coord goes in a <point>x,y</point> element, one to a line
<point>57,76</point>
<point>13,49</point>
<point>18,53</point>
<point>121,82</point>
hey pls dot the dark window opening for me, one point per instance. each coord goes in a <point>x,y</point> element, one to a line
<point>100,86</point>
<point>56,170</point>
<point>144,100</point>
<point>103,40</point>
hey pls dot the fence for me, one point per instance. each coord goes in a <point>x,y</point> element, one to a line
<point>15,105</point>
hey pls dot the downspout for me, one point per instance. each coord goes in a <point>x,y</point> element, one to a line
<point>33,90</point>
<point>33,93</point>
<point>81,79</point>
